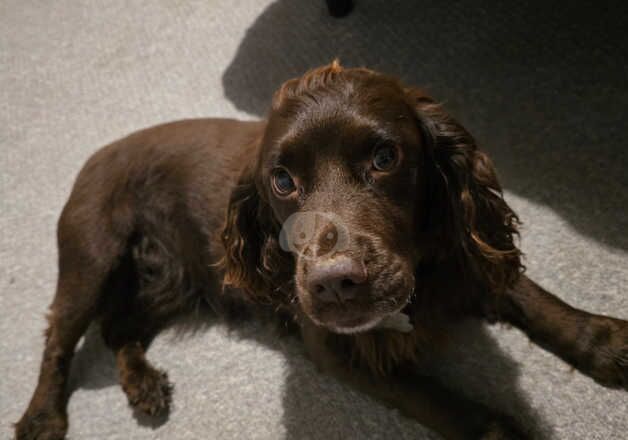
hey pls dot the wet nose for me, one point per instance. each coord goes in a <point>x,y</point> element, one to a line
<point>336,279</point>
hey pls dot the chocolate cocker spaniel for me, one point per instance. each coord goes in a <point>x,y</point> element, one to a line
<point>359,210</point>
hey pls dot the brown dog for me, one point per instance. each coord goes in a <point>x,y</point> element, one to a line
<point>359,209</point>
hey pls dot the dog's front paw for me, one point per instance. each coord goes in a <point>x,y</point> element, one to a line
<point>148,391</point>
<point>41,425</point>
<point>607,360</point>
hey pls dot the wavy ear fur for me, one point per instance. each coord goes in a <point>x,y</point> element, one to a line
<point>466,210</point>
<point>253,259</point>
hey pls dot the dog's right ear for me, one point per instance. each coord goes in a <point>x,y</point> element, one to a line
<point>253,260</point>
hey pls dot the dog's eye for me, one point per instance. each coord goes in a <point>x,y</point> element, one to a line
<point>283,184</point>
<point>385,158</point>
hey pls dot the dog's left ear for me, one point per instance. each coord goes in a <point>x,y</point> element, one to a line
<point>463,208</point>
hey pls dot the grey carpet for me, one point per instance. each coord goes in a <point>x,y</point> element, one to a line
<point>542,87</point>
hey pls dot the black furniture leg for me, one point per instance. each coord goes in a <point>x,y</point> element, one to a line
<point>339,8</point>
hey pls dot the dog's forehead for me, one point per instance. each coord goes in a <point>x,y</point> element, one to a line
<point>357,111</point>
<point>342,128</point>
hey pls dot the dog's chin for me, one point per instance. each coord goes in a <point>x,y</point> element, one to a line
<point>348,326</point>
<point>361,328</point>
<point>355,325</point>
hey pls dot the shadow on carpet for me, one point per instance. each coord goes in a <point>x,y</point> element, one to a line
<point>542,88</point>
<point>474,365</point>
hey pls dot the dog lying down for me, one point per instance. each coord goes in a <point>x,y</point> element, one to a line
<point>359,209</point>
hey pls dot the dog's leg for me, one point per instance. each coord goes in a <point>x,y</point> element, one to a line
<point>128,334</point>
<point>595,345</point>
<point>416,396</point>
<point>147,388</point>
<point>71,312</point>
<point>88,253</point>
<point>147,298</point>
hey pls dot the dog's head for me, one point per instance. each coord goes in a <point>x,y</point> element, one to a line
<point>357,181</point>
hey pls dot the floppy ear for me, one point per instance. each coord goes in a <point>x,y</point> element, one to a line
<point>464,208</point>
<point>253,259</point>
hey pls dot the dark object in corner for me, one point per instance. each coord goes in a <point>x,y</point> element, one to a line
<point>339,8</point>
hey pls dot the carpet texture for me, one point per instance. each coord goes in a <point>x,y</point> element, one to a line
<point>542,87</point>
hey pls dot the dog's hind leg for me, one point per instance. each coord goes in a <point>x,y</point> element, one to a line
<point>86,259</point>
<point>147,295</point>
<point>146,387</point>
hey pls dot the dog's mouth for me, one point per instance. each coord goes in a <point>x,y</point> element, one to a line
<point>395,320</point>
<point>356,316</point>
<point>354,326</point>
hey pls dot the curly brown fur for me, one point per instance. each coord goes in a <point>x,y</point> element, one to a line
<point>357,199</point>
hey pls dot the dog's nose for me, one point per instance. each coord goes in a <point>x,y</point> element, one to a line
<point>336,279</point>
